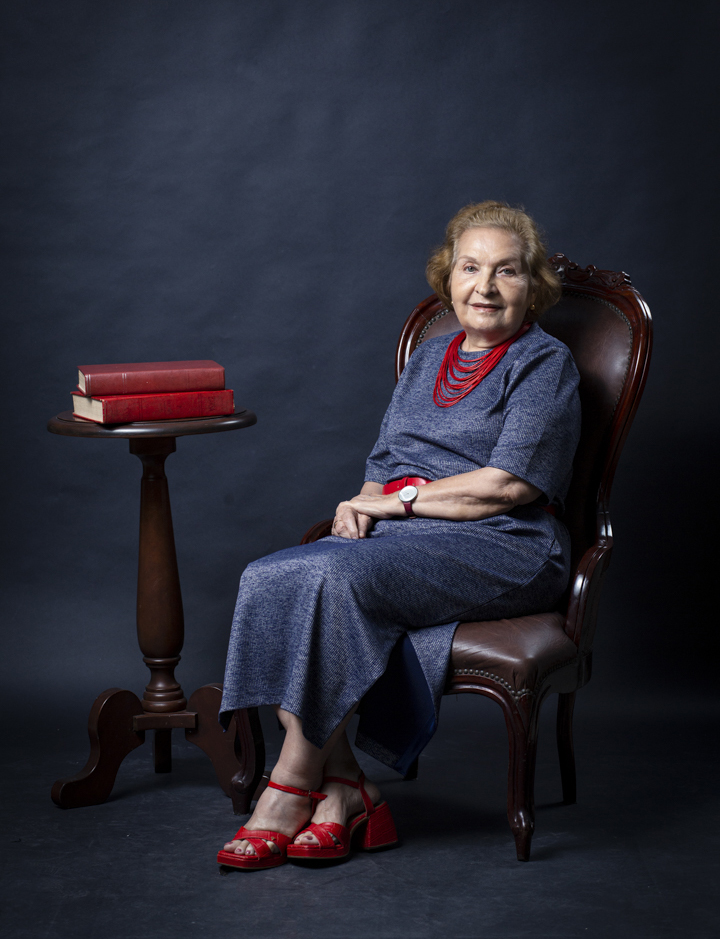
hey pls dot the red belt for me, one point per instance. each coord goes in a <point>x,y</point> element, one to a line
<point>397,484</point>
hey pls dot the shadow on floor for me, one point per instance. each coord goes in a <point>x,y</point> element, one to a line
<point>636,857</point>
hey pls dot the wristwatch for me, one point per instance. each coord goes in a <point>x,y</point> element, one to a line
<point>407,496</point>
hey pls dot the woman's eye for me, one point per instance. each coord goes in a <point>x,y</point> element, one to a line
<point>507,270</point>
<point>469,268</point>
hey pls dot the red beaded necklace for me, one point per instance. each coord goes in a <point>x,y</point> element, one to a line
<point>455,378</point>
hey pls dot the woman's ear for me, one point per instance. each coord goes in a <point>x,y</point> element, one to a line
<point>530,312</point>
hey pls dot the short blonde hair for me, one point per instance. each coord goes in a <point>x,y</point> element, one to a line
<point>497,215</point>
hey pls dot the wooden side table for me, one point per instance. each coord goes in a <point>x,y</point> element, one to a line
<point>119,719</point>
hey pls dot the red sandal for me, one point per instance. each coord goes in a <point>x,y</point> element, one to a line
<point>376,819</point>
<point>264,856</point>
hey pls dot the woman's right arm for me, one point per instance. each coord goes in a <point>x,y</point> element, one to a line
<point>348,522</point>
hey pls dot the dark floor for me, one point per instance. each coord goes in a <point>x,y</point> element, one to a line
<point>636,857</point>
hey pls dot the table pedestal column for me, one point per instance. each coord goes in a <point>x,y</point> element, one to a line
<point>160,623</point>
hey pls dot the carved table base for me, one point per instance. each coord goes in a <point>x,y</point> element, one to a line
<point>117,725</point>
<point>119,719</point>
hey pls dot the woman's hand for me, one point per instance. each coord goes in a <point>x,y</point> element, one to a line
<point>349,523</point>
<point>355,518</point>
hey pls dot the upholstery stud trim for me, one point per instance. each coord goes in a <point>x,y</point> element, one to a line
<point>434,319</point>
<point>524,692</point>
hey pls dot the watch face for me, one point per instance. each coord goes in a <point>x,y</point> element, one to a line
<point>408,494</point>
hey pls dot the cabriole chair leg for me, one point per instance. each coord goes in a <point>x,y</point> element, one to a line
<point>566,750</point>
<point>522,740</point>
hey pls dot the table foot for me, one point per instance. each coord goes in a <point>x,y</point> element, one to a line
<point>238,755</point>
<point>110,728</point>
<point>162,751</point>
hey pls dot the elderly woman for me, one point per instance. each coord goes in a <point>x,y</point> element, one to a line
<point>456,521</point>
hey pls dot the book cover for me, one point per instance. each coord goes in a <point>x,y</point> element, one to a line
<point>125,409</point>
<point>134,378</point>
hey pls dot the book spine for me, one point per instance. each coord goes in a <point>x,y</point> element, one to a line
<point>208,378</point>
<point>125,409</point>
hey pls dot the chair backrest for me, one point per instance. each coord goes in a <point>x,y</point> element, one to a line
<point>606,325</point>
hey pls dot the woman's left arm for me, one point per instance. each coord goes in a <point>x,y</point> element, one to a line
<point>470,496</point>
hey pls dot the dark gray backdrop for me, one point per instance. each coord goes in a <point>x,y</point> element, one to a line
<point>261,183</point>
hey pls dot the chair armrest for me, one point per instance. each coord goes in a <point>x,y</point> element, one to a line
<point>318,531</point>
<point>585,595</point>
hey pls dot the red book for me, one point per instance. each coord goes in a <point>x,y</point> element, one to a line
<point>123,409</point>
<point>142,378</point>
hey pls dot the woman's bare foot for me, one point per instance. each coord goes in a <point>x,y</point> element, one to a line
<point>341,804</point>
<point>275,811</point>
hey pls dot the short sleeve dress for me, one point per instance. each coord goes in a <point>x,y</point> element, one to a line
<point>320,627</point>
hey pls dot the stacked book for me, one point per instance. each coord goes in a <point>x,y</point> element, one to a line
<point>151,391</point>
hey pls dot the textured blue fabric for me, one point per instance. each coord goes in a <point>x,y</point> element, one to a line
<point>315,625</point>
<point>523,418</point>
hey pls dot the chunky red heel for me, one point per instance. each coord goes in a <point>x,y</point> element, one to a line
<point>264,856</point>
<point>375,823</point>
<point>379,830</point>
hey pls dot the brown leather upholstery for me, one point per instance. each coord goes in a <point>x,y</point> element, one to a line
<point>521,654</point>
<point>601,340</point>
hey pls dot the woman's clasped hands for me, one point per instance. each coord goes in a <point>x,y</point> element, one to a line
<point>355,518</point>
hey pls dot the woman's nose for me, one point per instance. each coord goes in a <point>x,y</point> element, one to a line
<point>485,284</point>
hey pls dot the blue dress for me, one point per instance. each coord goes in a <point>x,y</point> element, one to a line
<point>321,627</point>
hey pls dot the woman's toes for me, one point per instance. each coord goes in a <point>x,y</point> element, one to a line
<point>239,847</point>
<point>306,837</point>
<point>246,847</point>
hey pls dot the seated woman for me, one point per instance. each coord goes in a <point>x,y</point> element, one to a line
<point>450,525</point>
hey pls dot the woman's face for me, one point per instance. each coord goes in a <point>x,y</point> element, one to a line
<point>490,288</point>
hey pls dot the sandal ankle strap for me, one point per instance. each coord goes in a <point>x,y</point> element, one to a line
<point>306,793</point>
<point>367,801</point>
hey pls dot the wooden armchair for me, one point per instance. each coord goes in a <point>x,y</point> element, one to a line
<point>519,662</point>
